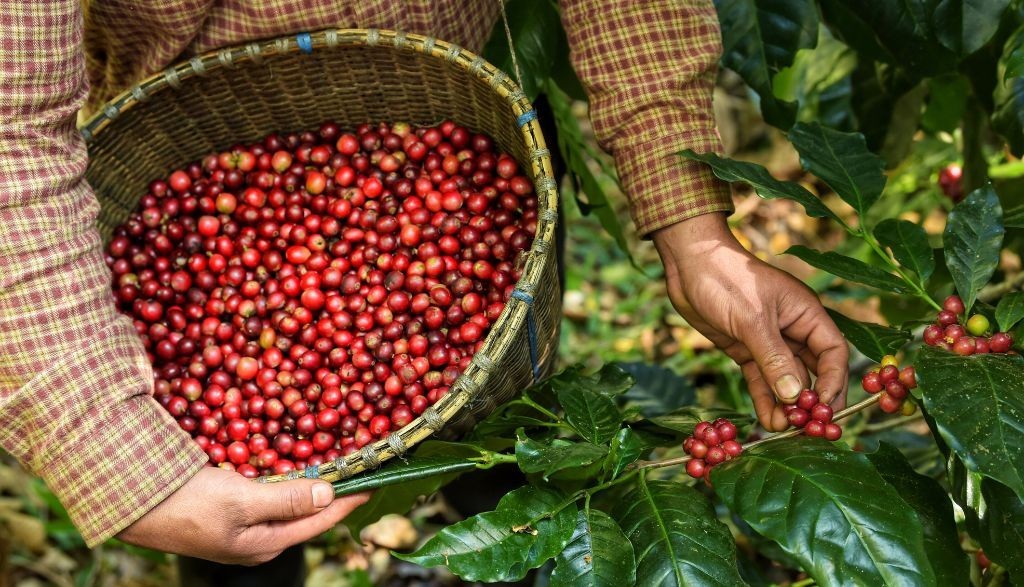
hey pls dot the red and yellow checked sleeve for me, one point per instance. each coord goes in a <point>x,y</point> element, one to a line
<point>75,384</point>
<point>649,70</point>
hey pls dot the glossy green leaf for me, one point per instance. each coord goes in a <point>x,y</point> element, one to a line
<point>1013,55</point>
<point>964,26</point>
<point>547,459</point>
<point>625,449</point>
<point>759,38</point>
<point>830,509</point>
<point>593,415</point>
<point>1010,310</point>
<point>573,147</point>
<point>843,161</point>
<point>677,538</point>
<point>972,239</point>
<point>657,389</point>
<point>1001,529</point>
<point>399,471</point>
<point>977,404</point>
<point>763,183</point>
<point>874,340</point>
<point>850,269</point>
<point>684,420</point>
<point>401,492</point>
<point>598,555</point>
<point>539,42</point>
<point>934,510</point>
<point>909,244</point>
<point>529,526</point>
<point>610,380</point>
<point>900,33</point>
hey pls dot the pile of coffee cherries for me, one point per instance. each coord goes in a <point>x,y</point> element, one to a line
<point>972,337</point>
<point>306,295</point>
<point>893,383</point>
<point>709,445</point>
<point>813,416</point>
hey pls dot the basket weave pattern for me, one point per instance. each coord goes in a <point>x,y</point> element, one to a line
<point>351,76</point>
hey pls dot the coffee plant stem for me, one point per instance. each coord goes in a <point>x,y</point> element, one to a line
<point>840,415</point>
<point>551,415</point>
<point>913,283</point>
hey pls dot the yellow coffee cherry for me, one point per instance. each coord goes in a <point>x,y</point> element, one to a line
<point>890,360</point>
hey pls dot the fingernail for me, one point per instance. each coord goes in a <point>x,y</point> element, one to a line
<point>787,387</point>
<point>323,494</point>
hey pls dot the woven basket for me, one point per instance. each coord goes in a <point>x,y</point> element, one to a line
<point>350,76</point>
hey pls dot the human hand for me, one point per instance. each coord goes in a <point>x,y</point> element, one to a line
<point>221,516</point>
<point>770,323</point>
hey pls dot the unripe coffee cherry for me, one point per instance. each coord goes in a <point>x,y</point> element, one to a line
<point>978,325</point>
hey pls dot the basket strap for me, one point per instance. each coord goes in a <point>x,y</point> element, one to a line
<point>531,329</point>
<point>511,45</point>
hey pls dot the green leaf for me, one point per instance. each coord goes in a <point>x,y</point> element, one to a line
<point>947,102</point>
<point>850,269</point>
<point>399,498</point>
<point>539,42</point>
<point>1002,527</point>
<point>964,26</point>
<point>529,526</point>
<point>760,38</point>
<point>1008,118</point>
<point>626,448</point>
<point>598,555</point>
<point>900,33</point>
<point>763,183</point>
<point>572,146</point>
<point>843,161</point>
<point>874,340</point>
<point>830,509</point>
<point>977,404</point>
<point>684,420</point>
<point>677,538</point>
<point>972,239</point>
<point>593,415</point>
<point>1014,217</point>
<point>403,472</point>
<point>1010,310</point>
<point>909,244</point>
<point>547,459</point>
<point>1013,55</point>
<point>934,510</point>
<point>610,380</point>
<point>657,389</point>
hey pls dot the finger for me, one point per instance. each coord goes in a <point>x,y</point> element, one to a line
<point>776,362</point>
<point>826,342</point>
<point>287,500</point>
<point>769,413</point>
<point>283,534</point>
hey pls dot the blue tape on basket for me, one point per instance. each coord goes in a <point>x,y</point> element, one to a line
<point>528,116</point>
<point>305,43</point>
<point>313,472</point>
<point>531,329</point>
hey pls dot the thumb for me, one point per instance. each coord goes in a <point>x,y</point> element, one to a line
<point>288,500</point>
<point>776,363</point>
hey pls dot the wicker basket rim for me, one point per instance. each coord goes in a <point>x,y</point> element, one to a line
<point>518,309</point>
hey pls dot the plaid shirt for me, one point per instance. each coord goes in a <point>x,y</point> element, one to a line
<point>75,386</point>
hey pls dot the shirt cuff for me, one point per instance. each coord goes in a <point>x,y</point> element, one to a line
<point>113,461</point>
<point>664,188</point>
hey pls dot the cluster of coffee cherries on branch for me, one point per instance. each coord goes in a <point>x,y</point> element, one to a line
<point>893,383</point>
<point>306,295</point>
<point>971,337</point>
<point>813,416</point>
<point>709,445</point>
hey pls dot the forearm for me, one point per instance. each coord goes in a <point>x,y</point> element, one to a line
<point>649,70</point>
<point>74,380</point>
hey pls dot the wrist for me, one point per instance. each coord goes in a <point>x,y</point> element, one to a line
<point>693,238</point>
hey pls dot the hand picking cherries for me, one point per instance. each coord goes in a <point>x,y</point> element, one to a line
<point>711,444</point>
<point>306,295</point>
<point>893,383</point>
<point>972,337</point>
<point>813,416</point>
